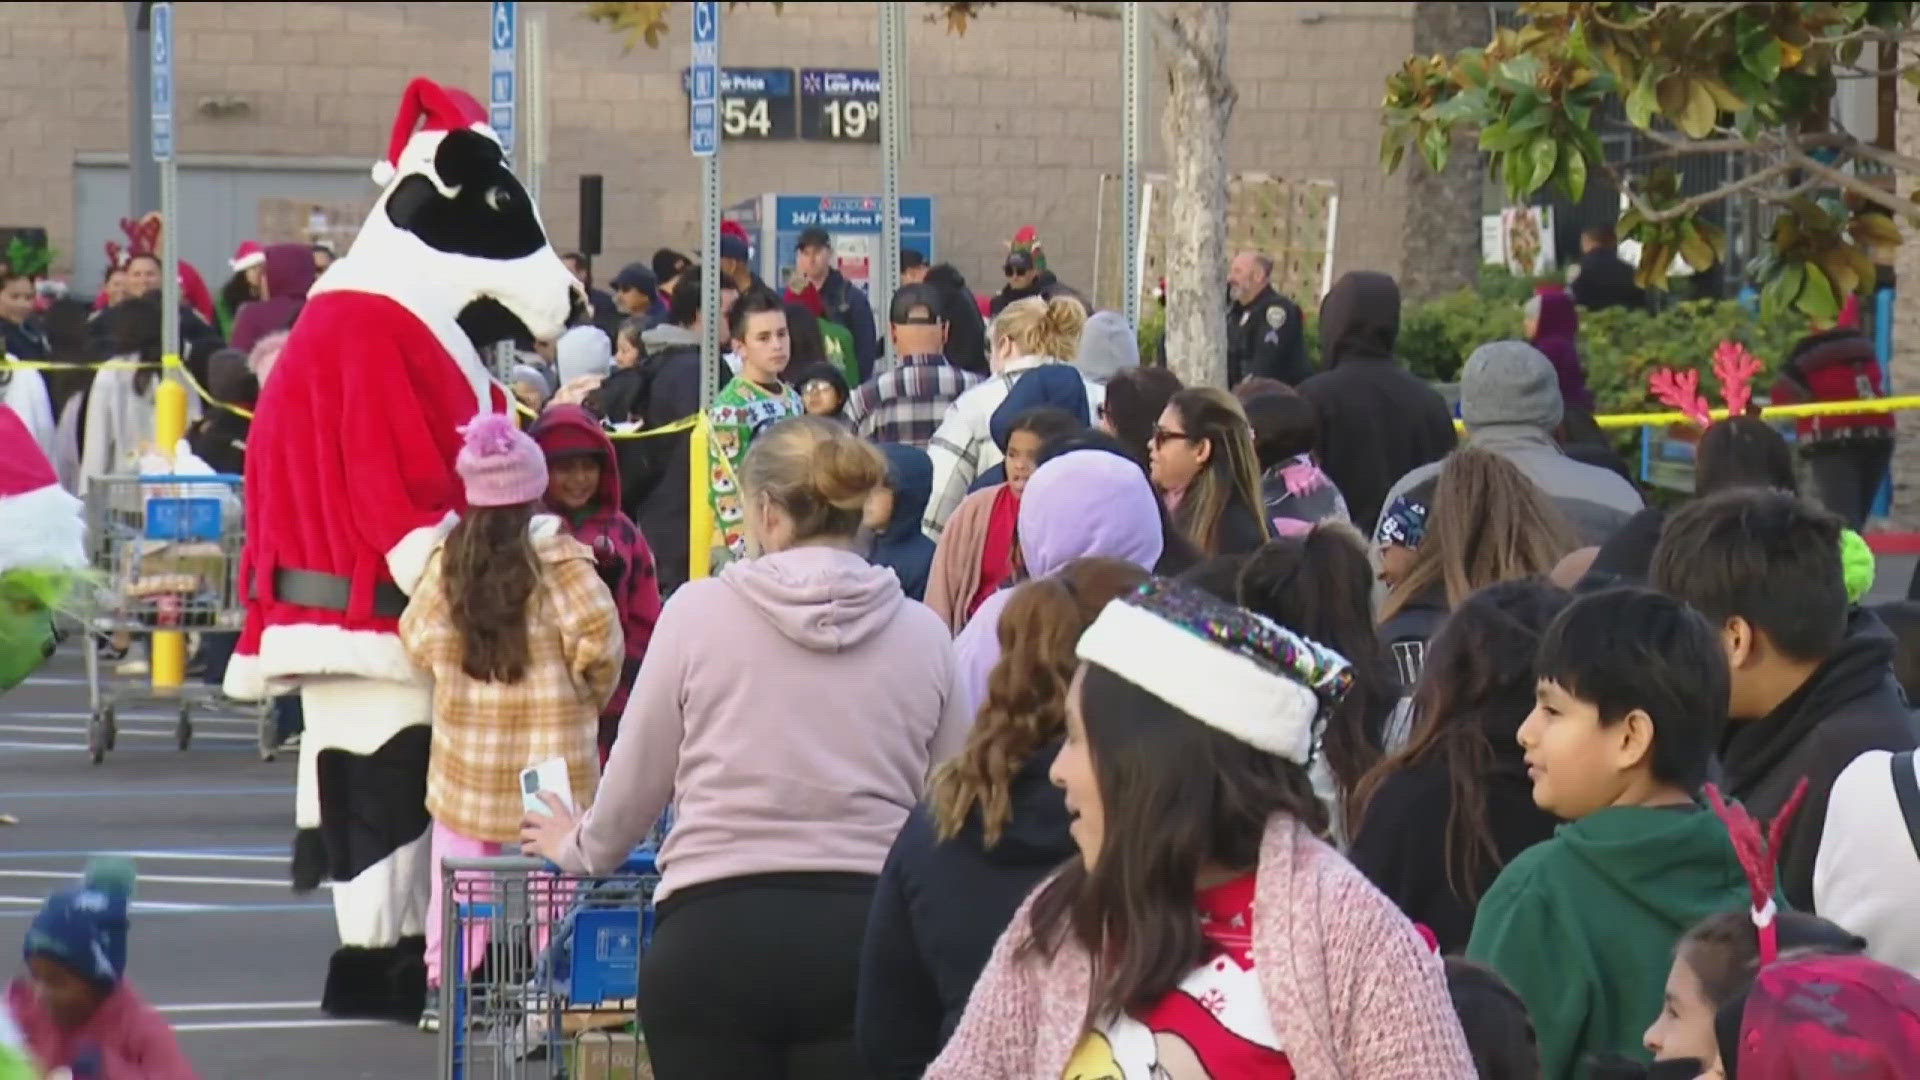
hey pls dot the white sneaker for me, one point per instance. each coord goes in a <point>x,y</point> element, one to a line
<point>131,667</point>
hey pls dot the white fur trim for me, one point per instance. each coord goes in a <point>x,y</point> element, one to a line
<point>407,560</point>
<point>384,172</point>
<point>42,529</point>
<point>1219,688</point>
<point>247,261</point>
<point>293,654</point>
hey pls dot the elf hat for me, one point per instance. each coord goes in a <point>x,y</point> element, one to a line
<point>1232,670</point>
<point>40,523</point>
<point>428,111</point>
<point>248,255</point>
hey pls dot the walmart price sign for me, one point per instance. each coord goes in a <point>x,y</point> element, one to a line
<point>755,103</point>
<point>840,105</point>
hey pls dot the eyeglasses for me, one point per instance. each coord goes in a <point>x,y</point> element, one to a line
<point>1161,436</point>
<point>818,386</point>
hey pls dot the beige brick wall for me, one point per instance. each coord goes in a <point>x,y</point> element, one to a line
<point>1012,123</point>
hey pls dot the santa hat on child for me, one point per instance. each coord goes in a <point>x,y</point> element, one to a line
<point>247,256</point>
<point>40,523</point>
<point>428,111</point>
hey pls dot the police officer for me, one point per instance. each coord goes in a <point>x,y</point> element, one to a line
<point>1265,335</point>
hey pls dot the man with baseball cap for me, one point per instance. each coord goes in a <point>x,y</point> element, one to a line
<point>827,293</point>
<point>906,403</point>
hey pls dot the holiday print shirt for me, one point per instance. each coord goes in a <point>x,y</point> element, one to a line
<point>743,410</point>
<point>1214,1025</point>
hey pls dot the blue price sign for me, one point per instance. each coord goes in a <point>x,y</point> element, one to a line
<point>161,32</point>
<point>502,27</point>
<point>703,89</point>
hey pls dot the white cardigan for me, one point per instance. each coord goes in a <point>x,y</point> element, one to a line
<point>26,394</point>
<point>1866,876</point>
<point>120,423</point>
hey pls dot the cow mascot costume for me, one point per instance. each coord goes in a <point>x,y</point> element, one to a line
<point>350,484</point>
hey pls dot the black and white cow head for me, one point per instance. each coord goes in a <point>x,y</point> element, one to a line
<point>455,218</point>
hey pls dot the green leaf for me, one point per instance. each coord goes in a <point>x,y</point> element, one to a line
<point>1393,147</point>
<point>1792,277</point>
<point>1519,73</point>
<point>1700,112</point>
<point>1577,46</point>
<point>1816,297</point>
<point>1514,170</point>
<point>1434,145</point>
<point>1542,156</point>
<point>1763,60</point>
<point>1497,138</point>
<point>1465,105</point>
<point>1573,173</point>
<point>1695,248</point>
<point>1643,102</point>
<point>1526,113</point>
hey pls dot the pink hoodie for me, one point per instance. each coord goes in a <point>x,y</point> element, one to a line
<point>126,1036</point>
<point>791,708</point>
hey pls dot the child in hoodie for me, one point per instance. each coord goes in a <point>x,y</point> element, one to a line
<point>893,515</point>
<point>1630,698</point>
<point>74,1009</point>
<point>583,490</point>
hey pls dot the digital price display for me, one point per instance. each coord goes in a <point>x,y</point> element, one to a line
<point>840,105</point>
<point>755,103</point>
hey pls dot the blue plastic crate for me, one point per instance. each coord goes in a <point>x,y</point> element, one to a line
<point>183,519</point>
<point>606,954</point>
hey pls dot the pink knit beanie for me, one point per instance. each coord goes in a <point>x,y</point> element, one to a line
<point>500,464</point>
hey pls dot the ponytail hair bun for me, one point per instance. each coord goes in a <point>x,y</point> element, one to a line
<point>818,472</point>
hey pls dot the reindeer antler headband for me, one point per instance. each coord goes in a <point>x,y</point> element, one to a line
<point>1758,851</point>
<point>1733,365</point>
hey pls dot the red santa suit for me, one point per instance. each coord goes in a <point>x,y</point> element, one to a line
<point>350,484</point>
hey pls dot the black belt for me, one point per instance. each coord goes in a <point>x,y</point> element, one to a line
<point>333,592</point>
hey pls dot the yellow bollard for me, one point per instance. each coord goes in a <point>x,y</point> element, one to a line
<point>169,670</point>
<point>700,506</point>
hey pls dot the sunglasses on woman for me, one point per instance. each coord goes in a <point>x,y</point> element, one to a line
<point>1161,436</point>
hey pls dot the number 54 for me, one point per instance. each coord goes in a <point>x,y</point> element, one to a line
<point>736,116</point>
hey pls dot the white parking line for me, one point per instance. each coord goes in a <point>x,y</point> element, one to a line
<point>162,879</point>
<point>166,732</point>
<point>242,1006</point>
<point>276,1025</point>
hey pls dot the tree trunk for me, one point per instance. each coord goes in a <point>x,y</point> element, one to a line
<point>1200,100</point>
<point>1905,362</point>
<point>1441,237</point>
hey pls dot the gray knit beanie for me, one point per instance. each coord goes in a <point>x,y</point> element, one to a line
<point>1510,382</point>
<point>1107,347</point>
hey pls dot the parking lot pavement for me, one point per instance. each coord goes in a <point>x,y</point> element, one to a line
<point>219,942</point>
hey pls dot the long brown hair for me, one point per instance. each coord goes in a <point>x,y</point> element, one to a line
<point>1475,691</point>
<point>1488,524</point>
<point>1178,796</point>
<point>1232,472</point>
<point>489,574</point>
<point>1026,706</point>
<point>1321,586</point>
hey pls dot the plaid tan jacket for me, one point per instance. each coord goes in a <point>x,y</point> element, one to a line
<point>485,733</point>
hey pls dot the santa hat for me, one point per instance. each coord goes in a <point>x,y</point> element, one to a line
<point>1224,666</point>
<point>247,256</point>
<point>40,523</point>
<point>428,111</point>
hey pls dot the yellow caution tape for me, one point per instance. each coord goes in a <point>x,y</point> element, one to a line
<point>176,364</point>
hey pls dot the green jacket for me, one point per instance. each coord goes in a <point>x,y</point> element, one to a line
<point>839,342</point>
<point>1583,925</point>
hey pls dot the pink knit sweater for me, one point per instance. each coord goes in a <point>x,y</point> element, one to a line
<point>1355,992</point>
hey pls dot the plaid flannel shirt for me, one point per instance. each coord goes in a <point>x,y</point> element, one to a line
<point>485,733</point>
<point>906,403</point>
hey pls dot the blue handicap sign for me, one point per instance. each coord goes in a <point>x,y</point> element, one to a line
<point>502,59</point>
<point>504,20</point>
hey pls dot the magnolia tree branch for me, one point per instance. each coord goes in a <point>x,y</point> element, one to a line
<point>1648,212</point>
<point>1887,200</point>
<point>1094,11</point>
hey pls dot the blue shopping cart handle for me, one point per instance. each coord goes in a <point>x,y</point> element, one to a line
<point>202,478</point>
<point>642,861</point>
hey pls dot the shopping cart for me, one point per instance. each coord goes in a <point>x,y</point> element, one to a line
<point>555,992</point>
<point>167,551</point>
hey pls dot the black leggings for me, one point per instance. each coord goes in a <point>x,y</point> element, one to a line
<point>753,978</point>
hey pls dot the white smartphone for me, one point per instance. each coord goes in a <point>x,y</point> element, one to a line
<point>550,775</point>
